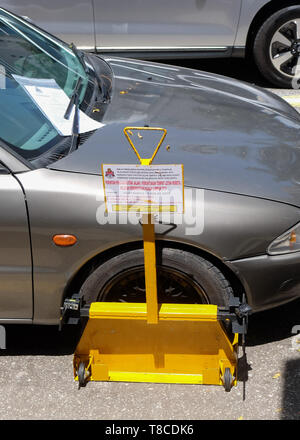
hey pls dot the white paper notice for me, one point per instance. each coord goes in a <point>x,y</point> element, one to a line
<point>143,188</point>
<point>53,102</point>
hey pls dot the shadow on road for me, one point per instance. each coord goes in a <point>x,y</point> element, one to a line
<point>40,340</point>
<point>273,325</point>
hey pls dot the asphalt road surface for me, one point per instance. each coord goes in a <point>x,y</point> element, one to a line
<point>36,380</point>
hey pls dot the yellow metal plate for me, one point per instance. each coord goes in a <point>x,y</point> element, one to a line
<point>122,376</point>
<point>117,310</point>
<point>143,208</point>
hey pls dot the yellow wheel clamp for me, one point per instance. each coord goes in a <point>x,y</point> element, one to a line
<point>151,342</point>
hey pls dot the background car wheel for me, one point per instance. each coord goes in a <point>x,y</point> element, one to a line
<point>182,278</point>
<point>276,47</point>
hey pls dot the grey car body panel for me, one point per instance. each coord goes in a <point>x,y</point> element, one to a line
<point>15,256</point>
<point>62,202</point>
<point>229,135</point>
<point>162,24</point>
<point>70,20</point>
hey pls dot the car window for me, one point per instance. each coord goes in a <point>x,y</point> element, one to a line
<point>28,54</point>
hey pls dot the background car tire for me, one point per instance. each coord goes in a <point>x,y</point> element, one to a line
<point>276,48</point>
<point>182,277</point>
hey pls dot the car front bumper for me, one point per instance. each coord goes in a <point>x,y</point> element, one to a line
<point>269,280</point>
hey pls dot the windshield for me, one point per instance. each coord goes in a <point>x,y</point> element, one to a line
<point>38,74</point>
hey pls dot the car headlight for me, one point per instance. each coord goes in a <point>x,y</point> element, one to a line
<point>287,242</point>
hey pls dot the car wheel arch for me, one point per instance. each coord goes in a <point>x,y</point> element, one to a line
<point>94,262</point>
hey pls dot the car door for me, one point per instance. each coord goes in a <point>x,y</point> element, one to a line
<point>164,24</point>
<point>70,20</point>
<point>15,253</point>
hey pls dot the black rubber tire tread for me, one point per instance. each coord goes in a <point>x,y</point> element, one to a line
<point>208,276</point>
<point>262,41</point>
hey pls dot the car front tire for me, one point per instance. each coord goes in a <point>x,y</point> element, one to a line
<point>276,47</point>
<point>183,277</point>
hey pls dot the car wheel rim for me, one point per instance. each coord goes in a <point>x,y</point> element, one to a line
<point>173,287</point>
<point>285,49</point>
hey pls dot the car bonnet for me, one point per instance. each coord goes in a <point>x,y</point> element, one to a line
<point>229,135</point>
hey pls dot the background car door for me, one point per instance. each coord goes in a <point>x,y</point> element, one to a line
<point>70,20</point>
<point>165,23</point>
<point>15,253</point>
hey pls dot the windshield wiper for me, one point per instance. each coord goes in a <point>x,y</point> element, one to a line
<point>74,101</point>
<point>79,55</point>
<point>73,98</point>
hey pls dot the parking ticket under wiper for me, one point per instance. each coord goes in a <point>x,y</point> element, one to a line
<point>53,102</point>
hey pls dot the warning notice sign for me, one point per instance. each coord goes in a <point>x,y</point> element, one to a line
<point>143,188</point>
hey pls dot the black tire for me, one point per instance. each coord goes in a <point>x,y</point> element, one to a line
<point>283,74</point>
<point>182,278</point>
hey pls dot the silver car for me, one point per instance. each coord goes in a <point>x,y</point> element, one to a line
<point>266,31</point>
<point>239,146</point>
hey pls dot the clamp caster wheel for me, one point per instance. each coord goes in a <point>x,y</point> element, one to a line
<point>82,375</point>
<point>227,380</point>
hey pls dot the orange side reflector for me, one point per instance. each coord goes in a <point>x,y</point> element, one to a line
<point>293,237</point>
<point>64,240</point>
